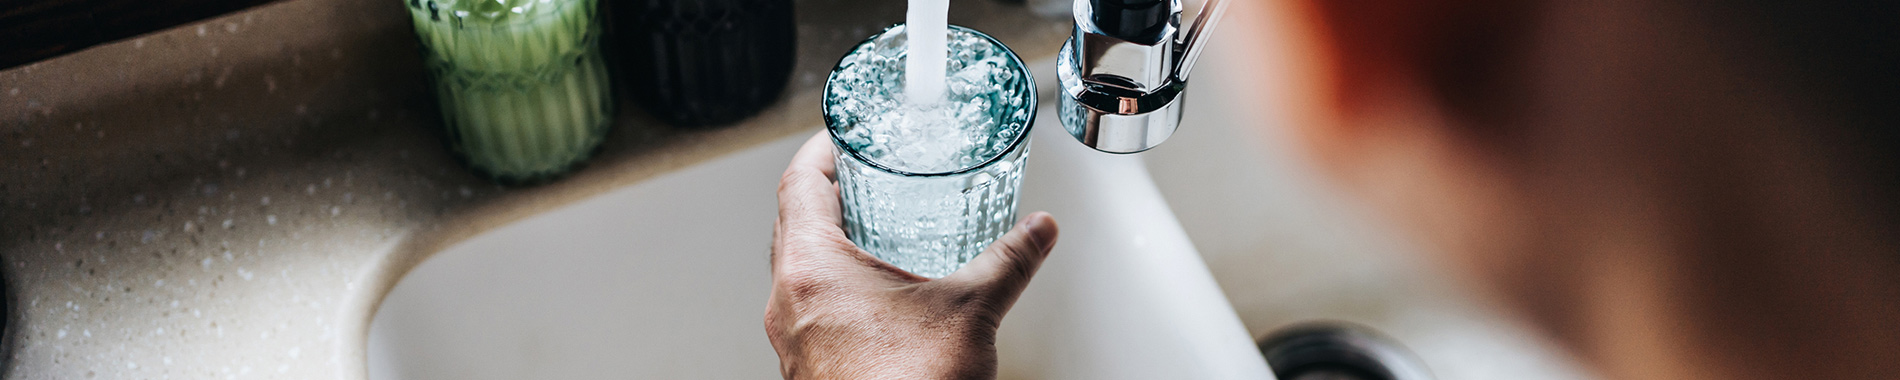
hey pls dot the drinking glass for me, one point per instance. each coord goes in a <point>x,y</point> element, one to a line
<point>930,222</point>
<point>521,83</point>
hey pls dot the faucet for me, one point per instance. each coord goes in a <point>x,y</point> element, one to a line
<point>1124,69</point>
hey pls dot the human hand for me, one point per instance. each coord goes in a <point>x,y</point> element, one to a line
<point>836,312</point>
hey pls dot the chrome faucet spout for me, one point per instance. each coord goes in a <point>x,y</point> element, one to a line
<point>1196,37</point>
<point>1124,69</point>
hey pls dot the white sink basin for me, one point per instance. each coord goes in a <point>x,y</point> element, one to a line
<point>667,280</point>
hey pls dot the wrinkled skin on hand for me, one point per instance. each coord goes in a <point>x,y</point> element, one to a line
<point>836,312</point>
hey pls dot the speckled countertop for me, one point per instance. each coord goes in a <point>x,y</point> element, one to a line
<point>232,198</point>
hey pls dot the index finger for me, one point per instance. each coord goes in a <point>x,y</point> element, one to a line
<point>807,192</point>
<point>817,155</point>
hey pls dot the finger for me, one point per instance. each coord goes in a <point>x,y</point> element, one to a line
<point>1005,267</point>
<point>817,154</point>
<point>771,252</point>
<point>806,192</point>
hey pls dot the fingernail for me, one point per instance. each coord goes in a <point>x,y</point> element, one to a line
<point>1042,227</point>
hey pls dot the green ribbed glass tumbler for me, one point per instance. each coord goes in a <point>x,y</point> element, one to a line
<point>521,83</point>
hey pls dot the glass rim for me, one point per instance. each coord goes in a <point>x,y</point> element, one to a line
<point>1015,145</point>
<point>461,22</point>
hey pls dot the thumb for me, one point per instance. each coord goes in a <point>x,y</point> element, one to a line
<point>1006,266</point>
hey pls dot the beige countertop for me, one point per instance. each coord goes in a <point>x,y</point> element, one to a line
<point>232,198</point>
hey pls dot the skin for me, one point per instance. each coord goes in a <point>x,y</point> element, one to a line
<point>1662,206</point>
<point>1668,191</point>
<point>836,312</point>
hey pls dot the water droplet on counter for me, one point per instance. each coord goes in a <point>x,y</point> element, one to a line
<point>230,27</point>
<point>310,190</point>
<point>265,201</point>
<point>335,210</point>
<point>272,219</point>
<point>201,30</point>
<point>227,224</point>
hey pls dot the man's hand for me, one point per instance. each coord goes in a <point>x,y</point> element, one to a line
<point>836,312</point>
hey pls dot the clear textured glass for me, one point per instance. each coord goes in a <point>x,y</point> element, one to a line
<point>928,187</point>
<point>521,83</point>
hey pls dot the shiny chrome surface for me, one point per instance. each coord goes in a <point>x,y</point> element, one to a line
<point>1338,350</point>
<point>1123,95</point>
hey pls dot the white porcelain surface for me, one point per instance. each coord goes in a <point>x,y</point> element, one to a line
<point>667,279</point>
<point>1288,246</point>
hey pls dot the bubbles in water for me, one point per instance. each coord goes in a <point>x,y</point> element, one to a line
<point>984,105</point>
<point>929,225</point>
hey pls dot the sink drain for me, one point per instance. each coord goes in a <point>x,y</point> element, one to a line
<point>1338,351</point>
